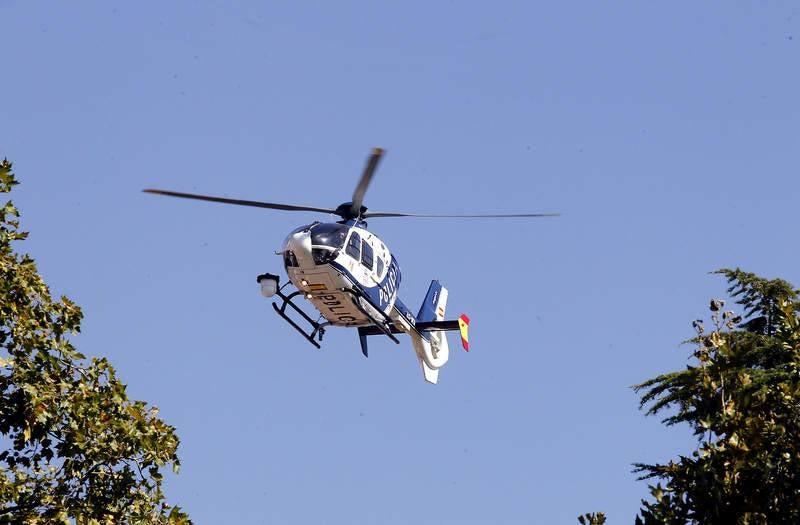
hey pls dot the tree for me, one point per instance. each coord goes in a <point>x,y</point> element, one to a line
<point>77,449</point>
<point>592,518</point>
<point>741,397</point>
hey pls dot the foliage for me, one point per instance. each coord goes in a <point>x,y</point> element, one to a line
<point>592,518</point>
<point>741,397</point>
<point>76,448</point>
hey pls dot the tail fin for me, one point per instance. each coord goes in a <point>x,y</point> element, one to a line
<point>432,349</point>
<point>434,305</point>
<point>428,334</point>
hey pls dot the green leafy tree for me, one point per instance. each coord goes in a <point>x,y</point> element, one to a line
<point>741,397</point>
<point>75,448</point>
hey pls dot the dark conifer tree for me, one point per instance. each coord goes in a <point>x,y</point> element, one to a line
<point>741,397</point>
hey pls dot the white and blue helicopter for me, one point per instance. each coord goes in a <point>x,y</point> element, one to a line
<point>352,279</point>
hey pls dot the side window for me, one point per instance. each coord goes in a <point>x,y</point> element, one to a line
<point>289,259</point>
<point>354,246</point>
<point>379,266</point>
<point>366,255</point>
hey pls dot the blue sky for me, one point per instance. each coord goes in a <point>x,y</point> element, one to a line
<point>667,134</point>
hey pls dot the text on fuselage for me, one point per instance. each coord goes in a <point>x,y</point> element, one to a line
<point>390,288</point>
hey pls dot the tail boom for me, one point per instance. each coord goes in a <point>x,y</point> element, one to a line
<point>427,330</point>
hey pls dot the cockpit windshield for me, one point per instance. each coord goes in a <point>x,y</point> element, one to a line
<point>328,234</point>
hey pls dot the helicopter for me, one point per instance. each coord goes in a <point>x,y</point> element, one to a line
<point>352,279</point>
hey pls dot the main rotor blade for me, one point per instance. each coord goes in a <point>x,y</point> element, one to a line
<point>372,214</point>
<point>240,202</point>
<point>366,177</point>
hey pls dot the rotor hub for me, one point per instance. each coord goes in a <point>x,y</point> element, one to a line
<point>345,211</point>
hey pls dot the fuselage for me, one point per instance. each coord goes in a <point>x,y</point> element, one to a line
<point>336,265</point>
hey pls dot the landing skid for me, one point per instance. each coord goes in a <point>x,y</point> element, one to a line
<point>317,329</point>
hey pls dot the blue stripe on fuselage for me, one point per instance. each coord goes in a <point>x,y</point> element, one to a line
<point>381,294</point>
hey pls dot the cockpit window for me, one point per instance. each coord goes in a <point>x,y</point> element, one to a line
<point>379,266</point>
<point>289,259</point>
<point>366,255</point>
<point>327,234</point>
<point>354,246</point>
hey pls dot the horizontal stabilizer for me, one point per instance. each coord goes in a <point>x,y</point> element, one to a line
<point>428,326</point>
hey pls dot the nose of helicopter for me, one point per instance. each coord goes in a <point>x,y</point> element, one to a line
<point>299,243</point>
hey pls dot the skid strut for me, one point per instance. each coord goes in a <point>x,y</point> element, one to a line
<point>317,328</point>
<point>383,325</point>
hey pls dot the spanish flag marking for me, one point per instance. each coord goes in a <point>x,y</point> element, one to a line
<point>463,326</point>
